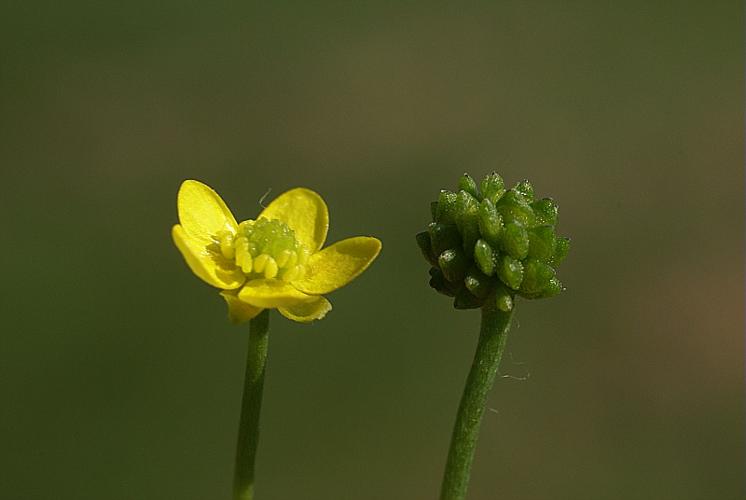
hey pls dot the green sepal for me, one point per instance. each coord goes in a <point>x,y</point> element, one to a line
<point>536,277</point>
<point>560,251</point>
<point>446,209</point>
<point>514,207</point>
<point>485,257</point>
<point>492,187</point>
<point>465,300</point>
<point>545,211</point>
<point>514,240</point>
<point>443,237</point>
<point>526,189</point>
<point>454,263</point>
<point>440,284</point>
<point>478,283</point>
<point>467,208</point>
<point>424,242</point>
<point>541,243</point>
<point>466,183</point>
<point>503,298</point>
<point>490,222</point>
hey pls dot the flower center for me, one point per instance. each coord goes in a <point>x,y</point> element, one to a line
<point>265,249</point>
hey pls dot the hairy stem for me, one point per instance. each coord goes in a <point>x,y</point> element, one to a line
<point>492,337</point>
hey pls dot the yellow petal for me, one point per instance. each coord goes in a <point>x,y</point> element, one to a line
<point>304,212</point>
<point>239,311</point>
<point>305,312</point>
<point>271,293</point>
<point>207,264</point>
<point>338,264</point>
<point>202,212</point>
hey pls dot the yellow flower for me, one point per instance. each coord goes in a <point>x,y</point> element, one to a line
<point>275,261</point>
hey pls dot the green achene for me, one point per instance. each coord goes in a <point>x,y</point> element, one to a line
<point>489,243</point>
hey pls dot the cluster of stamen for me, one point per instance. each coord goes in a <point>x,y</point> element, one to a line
<point>265,249</point>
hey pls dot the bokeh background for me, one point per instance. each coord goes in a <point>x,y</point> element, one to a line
<point>120,377</point>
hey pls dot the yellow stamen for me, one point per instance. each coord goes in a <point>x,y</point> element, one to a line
<point>226,245</point>
<point>270,268</point>
<point>242,255</point>
<point>245,226</point>
<point>293,273</point>
<point>260,262</point>
<point>283,258</point>
<point>247,263</point>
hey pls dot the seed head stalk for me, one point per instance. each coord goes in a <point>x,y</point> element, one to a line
<point>492,338</point>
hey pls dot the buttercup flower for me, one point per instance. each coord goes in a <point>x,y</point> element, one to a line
<point>275,261</point>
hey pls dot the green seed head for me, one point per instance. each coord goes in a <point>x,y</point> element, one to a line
<point>488,244</point>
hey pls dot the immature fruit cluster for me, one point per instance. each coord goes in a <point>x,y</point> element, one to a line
<point>488,244</point>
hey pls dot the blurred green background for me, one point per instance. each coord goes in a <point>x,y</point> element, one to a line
<point>120,377</point>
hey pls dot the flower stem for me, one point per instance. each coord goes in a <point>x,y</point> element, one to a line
<point>492,337</point>
<point>248,431</point>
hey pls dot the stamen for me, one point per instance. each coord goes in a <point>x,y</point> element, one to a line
<point>265,249</point>
<point>247,263</point>
<point>260,262</point>
<point>283,258</point>
<point>226,245</point>
<point>242,254</point>
<point>245,226</point>
<point>270,268</point>
<point>293,273</point>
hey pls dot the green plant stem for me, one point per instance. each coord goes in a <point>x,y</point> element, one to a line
<point>492,337</point>
<point>248,431</point>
